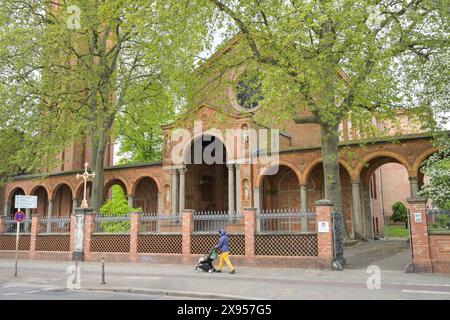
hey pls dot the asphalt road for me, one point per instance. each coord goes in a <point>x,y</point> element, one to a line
<point>18,291</point>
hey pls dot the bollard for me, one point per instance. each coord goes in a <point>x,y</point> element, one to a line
<point>103,271</point>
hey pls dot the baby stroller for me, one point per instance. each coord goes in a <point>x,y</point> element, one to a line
<point>205,263</point>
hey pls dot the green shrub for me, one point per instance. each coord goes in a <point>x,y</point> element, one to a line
<point>117,206</point>
<point>399,213</point>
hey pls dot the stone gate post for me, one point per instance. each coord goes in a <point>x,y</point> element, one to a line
<point>84,225</point>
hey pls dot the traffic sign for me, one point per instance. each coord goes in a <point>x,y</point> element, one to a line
<point>19,216</point>
<point>26,202</point>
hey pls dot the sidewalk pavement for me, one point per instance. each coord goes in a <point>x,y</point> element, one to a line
<point>247,283</point>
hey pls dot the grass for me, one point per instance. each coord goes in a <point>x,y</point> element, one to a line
<point>397,231</point>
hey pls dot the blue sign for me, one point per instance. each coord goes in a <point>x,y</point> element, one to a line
<point>20,216</point>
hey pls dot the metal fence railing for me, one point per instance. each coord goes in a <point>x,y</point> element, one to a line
<point>285,222</point>
<point>153,223</point>
<point>11,226</point>
<point>438,220</point>
<point>55,225</point>
<point>112,224</point>
<point>213,221</point>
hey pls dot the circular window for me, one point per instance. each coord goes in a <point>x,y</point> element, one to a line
<point>248,91</point>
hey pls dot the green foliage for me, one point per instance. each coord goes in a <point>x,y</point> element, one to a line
<point>399,212</point>
<point>117,206</point>
<point>437,168</point>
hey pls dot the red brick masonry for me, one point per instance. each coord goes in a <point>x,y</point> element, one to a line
<point>322,260</point>
<point>431,252</point>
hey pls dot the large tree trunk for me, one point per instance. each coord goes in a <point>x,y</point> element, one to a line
<point>98,164</point>
<point>332,179</point>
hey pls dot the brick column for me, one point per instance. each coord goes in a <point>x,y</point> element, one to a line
<point>134,234</point>
<point>35,228</point>
<point>2,224</point>
<point>419,235</point>
<point>250,229</point>
<point>186,229</point>
<point>325,247</point>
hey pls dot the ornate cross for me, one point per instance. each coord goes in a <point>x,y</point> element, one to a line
<point>85,176</point>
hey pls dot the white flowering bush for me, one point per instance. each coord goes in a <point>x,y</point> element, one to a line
<point>437,168</point>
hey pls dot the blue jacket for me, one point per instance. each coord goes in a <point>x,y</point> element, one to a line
<point>224,242</point>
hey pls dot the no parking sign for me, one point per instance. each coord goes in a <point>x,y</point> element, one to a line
<point>19,216</point>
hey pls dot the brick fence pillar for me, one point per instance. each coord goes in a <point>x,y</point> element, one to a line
<point>419,235</point>
<point>187,228</point>
<point>325,247</point>
<point>134,234</point>
<point>35,229</point>
<point>89,228</point>
<point>250,229</point>
<point>2,224</point>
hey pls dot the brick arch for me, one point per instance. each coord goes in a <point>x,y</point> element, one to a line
<point>13,191</point>
<point>188,145</point>
<point>35,188</point>
<point>280,163</point>
<point>59,185</point>
<point>420,159</point>
<point>381,154</point>
<point>116,178</point>
<point>138,180</point>
<point>309,169</point>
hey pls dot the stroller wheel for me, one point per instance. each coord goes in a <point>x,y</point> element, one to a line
<point>210,270</point>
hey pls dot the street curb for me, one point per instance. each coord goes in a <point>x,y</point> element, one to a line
<point>170,293</point>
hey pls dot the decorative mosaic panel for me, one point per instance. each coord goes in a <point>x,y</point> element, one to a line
<point>286,245</point>
<point>203,243</point>
<point>8,242</point>
<point>53,242</point>
<point>160,243</point>
<point>110,243</point>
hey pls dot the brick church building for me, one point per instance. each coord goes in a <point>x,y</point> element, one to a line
<point>167,188</point>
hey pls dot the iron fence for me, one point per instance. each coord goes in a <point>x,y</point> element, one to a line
<point>212,221</point>
<point>112,224</point>
<point>285,222</point>
<point>153,223</point>
<point>11,226</point>
<point>438,220</point>
<point>53,225</point>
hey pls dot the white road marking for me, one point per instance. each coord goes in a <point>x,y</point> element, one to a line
<point>10,294</point>
<point>9,286</point>
<point>427,292</point>
<point>29,292</point>
<point>48,289</point>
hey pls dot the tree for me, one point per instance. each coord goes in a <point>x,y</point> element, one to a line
<point>321,62</point>
<point>117,206</point>
<point>69,70</point>
<point>399,213</point>
<point>437,168</point>
<point>138,130</point>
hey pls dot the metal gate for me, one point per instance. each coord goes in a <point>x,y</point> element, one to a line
<point>338,239</point>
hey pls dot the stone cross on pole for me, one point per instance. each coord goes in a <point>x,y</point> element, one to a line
<point>85,177</point>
